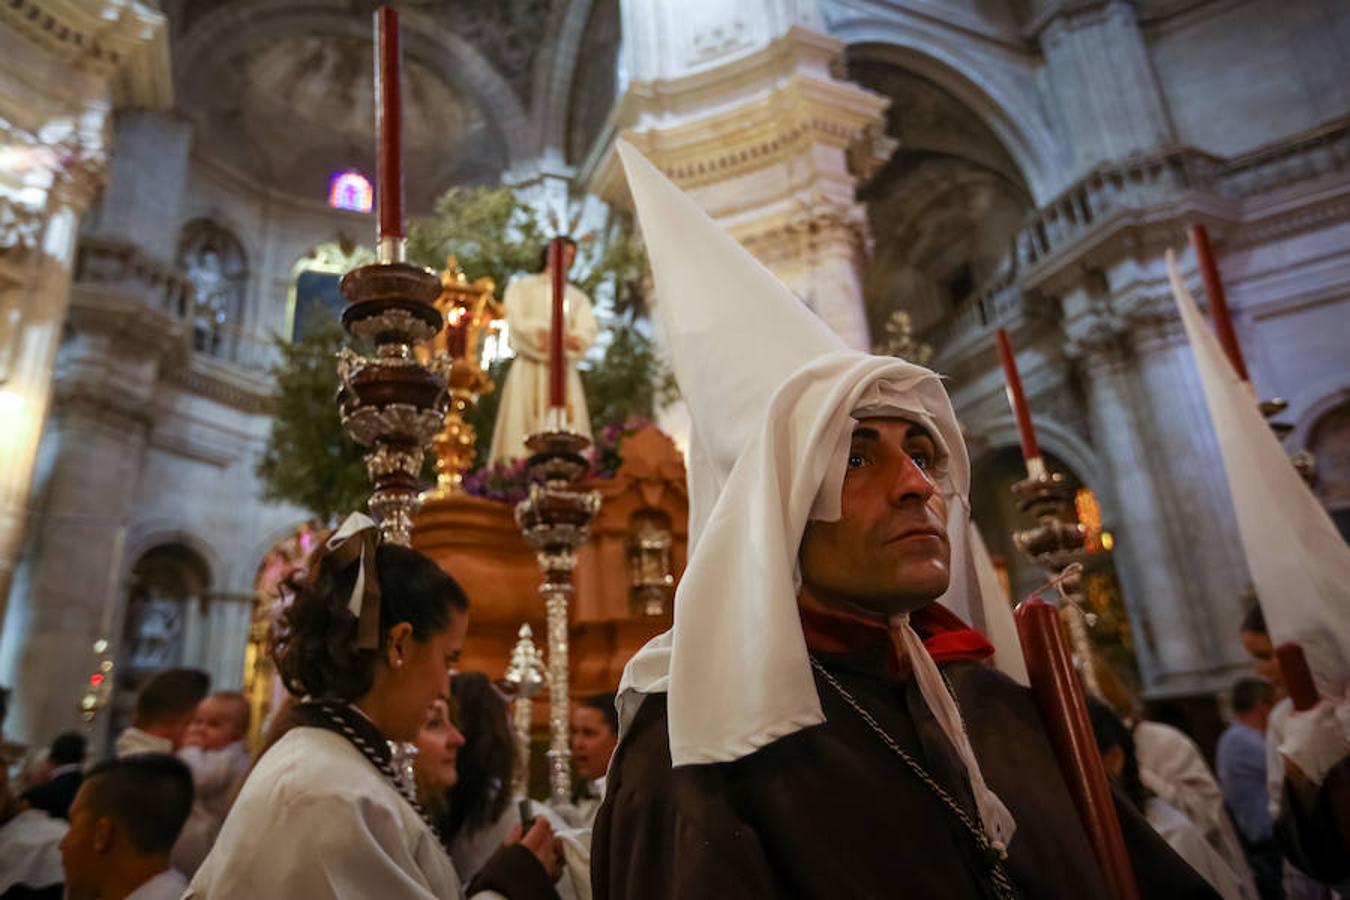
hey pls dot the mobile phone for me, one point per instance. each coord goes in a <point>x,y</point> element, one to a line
<point>526,816</point>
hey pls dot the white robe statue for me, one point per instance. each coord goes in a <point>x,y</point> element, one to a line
<point>529,306</point>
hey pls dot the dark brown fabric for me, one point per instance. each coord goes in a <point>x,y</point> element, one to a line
<point>515,873</point>
<point>832,812</point>
<point>1312,829</point>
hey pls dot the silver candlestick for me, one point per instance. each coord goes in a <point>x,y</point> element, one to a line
<point>527,676</point>
<point>555,519</point>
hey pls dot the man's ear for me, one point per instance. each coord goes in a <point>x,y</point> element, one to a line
<point>396,644</point>
<point>104,835</point>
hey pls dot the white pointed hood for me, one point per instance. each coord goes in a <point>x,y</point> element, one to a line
<point>773,394</point>
<point>1299,563</point>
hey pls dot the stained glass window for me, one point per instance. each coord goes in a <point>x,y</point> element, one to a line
<point>350,190</point>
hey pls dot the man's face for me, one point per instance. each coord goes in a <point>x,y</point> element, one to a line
<point>1262,652</point>
<point>592,742</point>
<point>888,552</point>
<point>85,847</point>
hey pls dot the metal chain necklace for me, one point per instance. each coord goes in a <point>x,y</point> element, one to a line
<point>1002,883</point>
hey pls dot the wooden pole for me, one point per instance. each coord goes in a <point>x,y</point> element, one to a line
<point>1064,711</point>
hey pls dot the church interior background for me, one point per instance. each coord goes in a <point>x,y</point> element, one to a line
<point>182,181</point>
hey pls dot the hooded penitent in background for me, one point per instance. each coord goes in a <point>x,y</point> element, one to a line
<point>755,762</point>
<point>1300,564</point>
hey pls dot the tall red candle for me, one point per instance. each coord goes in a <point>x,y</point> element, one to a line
<point>1059,696</point>
<point>1218,300</point>
<point>557,360</point>
<point>389,123</point>
<point>1030,449</point>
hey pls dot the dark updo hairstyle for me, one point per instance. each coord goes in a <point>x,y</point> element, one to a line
<point>487,761</point>
<point>314,642</point>
<point>543,254</point>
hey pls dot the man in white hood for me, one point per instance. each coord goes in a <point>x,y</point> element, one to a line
<point>794,734</point>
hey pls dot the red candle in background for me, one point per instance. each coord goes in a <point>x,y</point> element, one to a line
<point>1030,449</point>
<point>1218,300</point>
<point>1059,696</point>
<point>456,333</point>
<point>389,123</point>
<point>557,359</point>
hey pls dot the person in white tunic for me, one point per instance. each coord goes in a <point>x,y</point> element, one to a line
<point>524,399</point>
<point>29,858</point>
<point>368,640</point>
<point>123,824</point>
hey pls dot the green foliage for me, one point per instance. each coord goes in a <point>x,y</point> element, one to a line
<point>488,229</point>
<point>309,460</point>
<point>630,380</point>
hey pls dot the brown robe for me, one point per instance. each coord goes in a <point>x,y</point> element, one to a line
<point>832,812</point>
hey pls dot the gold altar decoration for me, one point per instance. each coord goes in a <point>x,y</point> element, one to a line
<point>469,309</point>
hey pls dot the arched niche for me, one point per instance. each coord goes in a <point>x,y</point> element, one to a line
<point>214,261</point>
<point>167,590</point>
<point>313,297</point>
<point>995,513</point>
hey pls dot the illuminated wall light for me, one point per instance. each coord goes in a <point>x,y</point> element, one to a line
<point>1108,540</point>
<point>350,190</point>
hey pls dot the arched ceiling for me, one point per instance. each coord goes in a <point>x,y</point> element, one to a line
<point>281,90</point>
<point>943,209</point>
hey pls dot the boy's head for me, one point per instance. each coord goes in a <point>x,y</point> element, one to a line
<point>125,819</point>
<point>220,720</point>
<point>167,703</point>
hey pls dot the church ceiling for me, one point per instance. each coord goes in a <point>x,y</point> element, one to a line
<point>281,90</point>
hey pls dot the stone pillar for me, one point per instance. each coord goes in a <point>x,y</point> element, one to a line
<point>147,177</point>
<point>35,277</point>
<point>1177,554</point>
<point>1102,81</point>
<point>127,316</point>
<point>743,112</point>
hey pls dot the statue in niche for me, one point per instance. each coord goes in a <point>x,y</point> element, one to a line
<point>156,630</point>
<point>524,400</point>
<point>213,260</point>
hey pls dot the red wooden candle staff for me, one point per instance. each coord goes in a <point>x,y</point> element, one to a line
<point>1218,300</point>
<point>389,122</point>
<point>1060,699</point>
<point>1031,451</point>
<point>557,359</point>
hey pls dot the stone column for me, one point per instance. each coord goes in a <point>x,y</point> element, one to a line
<point>127,316</point>
<point>1102,81</point>
<point>1177,555</point>
<point>744,113</point>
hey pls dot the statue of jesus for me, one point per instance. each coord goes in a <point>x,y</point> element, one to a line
<point>524,400</point>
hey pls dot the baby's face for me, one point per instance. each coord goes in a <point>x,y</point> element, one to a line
<point>216,724</point>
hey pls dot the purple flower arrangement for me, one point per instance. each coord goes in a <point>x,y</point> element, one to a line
<point>509,482</point>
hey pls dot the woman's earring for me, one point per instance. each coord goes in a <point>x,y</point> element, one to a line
<point>398,663</point>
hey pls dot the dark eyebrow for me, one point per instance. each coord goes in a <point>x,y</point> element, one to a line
<point>918,431</point>
<point>863,433</point>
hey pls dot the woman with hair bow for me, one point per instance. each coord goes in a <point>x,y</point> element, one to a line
<point>367,642</point>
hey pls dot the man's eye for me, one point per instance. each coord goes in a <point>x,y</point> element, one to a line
<point>923,460</point>
<point>856,460</point>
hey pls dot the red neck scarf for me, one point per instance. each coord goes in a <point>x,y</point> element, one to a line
<point>839,632</point>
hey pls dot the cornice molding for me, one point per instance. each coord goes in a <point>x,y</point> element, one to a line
<point>100,36</point>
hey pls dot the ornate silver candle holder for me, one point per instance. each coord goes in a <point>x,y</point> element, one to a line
<point>392,402</point>
<point>525,677</point>
<point>555,519</point>
<point>1055,543</point>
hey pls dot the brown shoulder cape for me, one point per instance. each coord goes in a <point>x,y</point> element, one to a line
<point>832,812</point>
